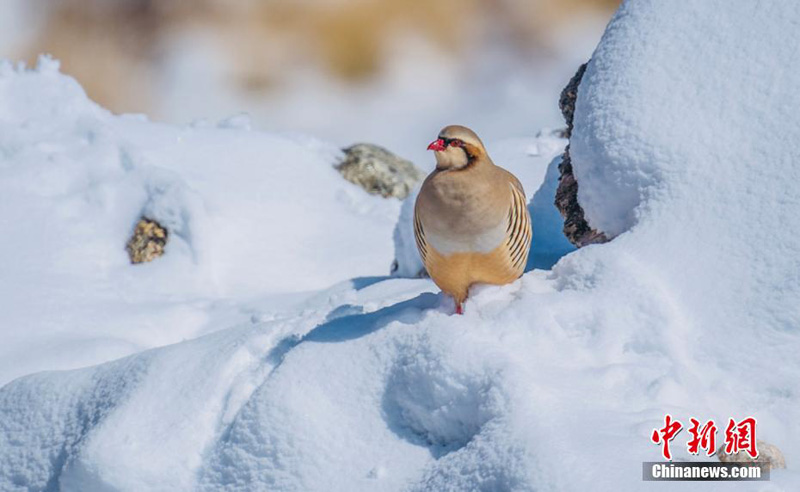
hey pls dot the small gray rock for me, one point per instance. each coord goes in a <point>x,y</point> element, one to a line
<point>379,171</point>
<point>769,456</point>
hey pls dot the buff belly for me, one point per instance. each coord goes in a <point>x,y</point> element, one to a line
<point>454,273</point>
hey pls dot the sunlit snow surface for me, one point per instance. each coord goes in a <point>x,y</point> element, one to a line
<point>249,214</point>
<point>554,382</point>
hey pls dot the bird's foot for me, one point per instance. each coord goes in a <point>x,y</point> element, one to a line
<point>459,308</point>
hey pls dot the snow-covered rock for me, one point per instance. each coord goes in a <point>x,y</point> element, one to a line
<point>685,149</point>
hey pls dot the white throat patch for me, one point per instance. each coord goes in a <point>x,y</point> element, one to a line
<point>451,158</point>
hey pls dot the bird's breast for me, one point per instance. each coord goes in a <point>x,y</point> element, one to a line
<point>464,212</point>
<point>447,241</point>
<point>468,224</point>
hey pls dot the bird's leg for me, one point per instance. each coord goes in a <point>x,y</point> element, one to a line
<point>459,307</point>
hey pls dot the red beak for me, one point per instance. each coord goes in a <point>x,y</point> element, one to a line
<point>437,145</point>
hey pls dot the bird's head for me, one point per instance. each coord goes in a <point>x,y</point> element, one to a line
<point>456,147</point>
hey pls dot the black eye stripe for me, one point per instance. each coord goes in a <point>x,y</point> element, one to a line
<point>449,141</point>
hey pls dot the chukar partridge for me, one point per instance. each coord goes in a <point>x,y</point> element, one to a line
<point>471,221</point>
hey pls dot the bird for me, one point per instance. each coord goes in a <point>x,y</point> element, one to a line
<point>471,221</point>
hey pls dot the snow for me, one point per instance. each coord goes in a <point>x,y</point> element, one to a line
<point>250,214</point>
<point>684,151</point>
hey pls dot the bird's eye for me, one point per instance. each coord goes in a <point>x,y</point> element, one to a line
<point>455,143</point>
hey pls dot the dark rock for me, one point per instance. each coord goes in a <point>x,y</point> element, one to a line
<point>576,228</point>
<point>568,97</point>
<point>147,242</point>
<point>379,171</point>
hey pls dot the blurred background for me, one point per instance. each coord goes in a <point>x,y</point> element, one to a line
<point>390,72</point>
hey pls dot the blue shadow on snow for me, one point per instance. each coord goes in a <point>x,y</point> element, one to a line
<point>357,325</point>
<point>548,244</point>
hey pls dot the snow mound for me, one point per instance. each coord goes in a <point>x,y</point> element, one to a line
<point>249,214</point>
<point>692,96</point>
<point>554,382</point>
